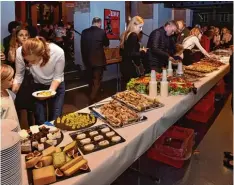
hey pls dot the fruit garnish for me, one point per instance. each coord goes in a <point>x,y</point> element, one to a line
<point>29,156</point>
<point>75,155</point>
<point>84,167</point>
<point>58,172</point>
<point>71,153</point>
<point>36,153</point>
<point>39,165</point>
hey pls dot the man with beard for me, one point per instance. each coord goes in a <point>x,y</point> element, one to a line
<point>161,46</point>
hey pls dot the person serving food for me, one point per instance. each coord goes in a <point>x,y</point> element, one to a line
<point>46,63</point>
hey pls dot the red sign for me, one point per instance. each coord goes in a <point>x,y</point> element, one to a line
<point>112,23</point>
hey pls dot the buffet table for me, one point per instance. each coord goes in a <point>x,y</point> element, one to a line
<point>106,165</point>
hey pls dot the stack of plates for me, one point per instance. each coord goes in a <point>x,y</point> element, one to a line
<point>10,125</point>
<point>10,158</point>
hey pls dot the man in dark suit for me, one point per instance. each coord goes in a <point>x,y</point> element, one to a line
<point>6,41</point>
<point>183,31</point>
<point>93,41</point>
<point>161,46</point>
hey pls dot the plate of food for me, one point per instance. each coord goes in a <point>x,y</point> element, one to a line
<point>39,138</point>
<point>116,114</point>
<point>75,121</point>
<point>96,138</point>
<point>201,68</point>
<point>180,86</point>
<point>136,101</point>
<point>55,164</point>
<point>45,94</point>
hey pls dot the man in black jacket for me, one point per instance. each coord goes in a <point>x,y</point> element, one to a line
<point>161,46</point>
<point>93,41</point>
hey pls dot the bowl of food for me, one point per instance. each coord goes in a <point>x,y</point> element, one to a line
<point>45,94</point>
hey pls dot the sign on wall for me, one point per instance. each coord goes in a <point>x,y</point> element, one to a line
<point>112,23</point>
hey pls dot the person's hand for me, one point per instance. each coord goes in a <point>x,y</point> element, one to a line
<point>171,59</point>
<point>3,56</point>
<point>144,49</point>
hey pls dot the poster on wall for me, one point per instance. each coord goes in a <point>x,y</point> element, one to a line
<point>112,23</point>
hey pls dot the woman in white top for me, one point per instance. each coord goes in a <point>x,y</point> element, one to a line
<point>217,37</point>
<point>46,63</point>
<point>7,96</point>
<point>189,43</point>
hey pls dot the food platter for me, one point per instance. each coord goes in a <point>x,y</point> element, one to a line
<point>212,62</point>
<point>136,101</point>
<point>55,164</point>
<point>195,73</point>
<point>180,86</point>
<point>43,138</point>
<point>201,68</point>
<point>75,121</point>
<point>116,114</point>
<point>96,138</point>
<point>45,94</point>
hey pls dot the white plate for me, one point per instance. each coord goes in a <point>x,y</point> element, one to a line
<point>8,125</point>
<point>35,94</point>
<point>10,139</point>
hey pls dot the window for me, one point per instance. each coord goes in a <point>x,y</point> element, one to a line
<point>224,17</point>
<point>203,17</point>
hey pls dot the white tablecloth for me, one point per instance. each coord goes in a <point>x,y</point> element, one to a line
<point>106,165</point>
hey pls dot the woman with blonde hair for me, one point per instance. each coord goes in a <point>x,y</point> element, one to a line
<point>189,43</point>
<point>217,37</point>
<point>7,96</point>
<point>131,52</point>
<point>46,63</point>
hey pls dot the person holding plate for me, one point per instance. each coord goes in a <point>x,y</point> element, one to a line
<point>46,63</point>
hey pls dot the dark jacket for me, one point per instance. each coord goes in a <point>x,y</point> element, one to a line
<point>6,45</point>
<point>182,35</point>
<point>93,40</point>
<point>160,47</point>
<point>131,53</point>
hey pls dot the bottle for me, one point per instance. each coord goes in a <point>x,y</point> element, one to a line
<point>153,85</point>
<point>180,69</point>
<point>169,70</point>
<point>164,84</point>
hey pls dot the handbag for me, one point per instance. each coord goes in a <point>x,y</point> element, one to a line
<point>140,70</point>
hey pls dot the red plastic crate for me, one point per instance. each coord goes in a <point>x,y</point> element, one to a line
<point>184,135</point>
<point>153,154</point>
<point>201,117</point>
<point>205,103</point>
<point>220,87</point>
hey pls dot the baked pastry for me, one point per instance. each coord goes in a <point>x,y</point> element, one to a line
<point>47,160</point>
<point>59,159</point>
<point>97,138</point>
<point>115,139</point>
<point>44,175</point>
<point>85,141</point>
<point>75,167</point>
<point>89,147</point>
<point>105,130</point>
<point>93,133</point>
<point>110,134</point>
<point>104,143</point>
<point>71,163</point>
<point>81,136</point>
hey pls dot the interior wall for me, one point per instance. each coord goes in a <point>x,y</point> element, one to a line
<point>7,15</point>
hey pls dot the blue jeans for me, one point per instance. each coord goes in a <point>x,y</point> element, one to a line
<point>55,104</point>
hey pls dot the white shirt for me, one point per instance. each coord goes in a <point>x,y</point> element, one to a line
<point>53,70</point>
<point>192,41</point>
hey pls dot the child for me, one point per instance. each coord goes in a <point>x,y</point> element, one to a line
<point>7,96</point>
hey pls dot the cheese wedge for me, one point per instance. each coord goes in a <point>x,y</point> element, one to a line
<point>49,151</point>
<point>44,175</point>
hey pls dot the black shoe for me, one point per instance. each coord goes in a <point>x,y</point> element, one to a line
<point>228,155</point>
<point>228,163</point>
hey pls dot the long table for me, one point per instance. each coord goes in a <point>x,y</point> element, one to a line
<point>106,165</point>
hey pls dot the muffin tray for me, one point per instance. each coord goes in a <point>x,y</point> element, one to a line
<point>88,141</point>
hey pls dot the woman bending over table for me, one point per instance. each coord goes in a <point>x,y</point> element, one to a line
<point>46,63</point>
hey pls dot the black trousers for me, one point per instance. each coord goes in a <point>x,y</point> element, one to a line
<point>188,57</point>
<point>94,75</point>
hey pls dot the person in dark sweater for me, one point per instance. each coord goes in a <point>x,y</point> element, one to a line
<point>6,41</point>
<point>130,50</point>
<point>160,45</point>
<point>93,41</point>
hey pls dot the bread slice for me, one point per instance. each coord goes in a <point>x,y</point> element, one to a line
<point>47,160</point>
<point>32,162</point>
<point>44,175</point>
<point>70,146</point>
<point>75,168</point>
<point>71,163</point>
<point>49,151</point>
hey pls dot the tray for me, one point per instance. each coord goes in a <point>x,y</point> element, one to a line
<point>58,179</point>
<point>70,128</point>
<point>97,147</point>
<point>96,111</point>
<point>156,104</point>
